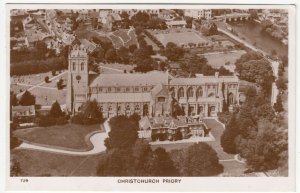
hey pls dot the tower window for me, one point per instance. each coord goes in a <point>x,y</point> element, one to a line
<point>82,66</point>
<point>74,66</point>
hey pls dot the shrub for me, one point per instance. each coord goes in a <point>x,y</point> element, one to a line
<point>47,79</point>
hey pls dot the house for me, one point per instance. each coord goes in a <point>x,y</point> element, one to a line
<point>168,128</point>
<point>176,24</point>
<point>198,13</point>
<point>23,114</point>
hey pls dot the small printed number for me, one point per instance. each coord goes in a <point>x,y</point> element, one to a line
<point>24,180</point>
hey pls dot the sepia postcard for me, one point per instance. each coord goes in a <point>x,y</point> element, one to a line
<point>150,97</point>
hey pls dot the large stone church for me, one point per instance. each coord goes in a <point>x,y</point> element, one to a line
<point>146,93</point>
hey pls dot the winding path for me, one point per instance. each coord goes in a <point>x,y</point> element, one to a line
<point>97,141</point>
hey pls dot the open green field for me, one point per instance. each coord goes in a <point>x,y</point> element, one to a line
<point>180,38</point>
<point>220,59</point>
<point>66,136</point>
<point>39,163</point>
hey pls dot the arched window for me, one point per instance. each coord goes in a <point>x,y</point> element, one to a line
<point>190,92</point>
<point>74,66</point>
<point>230,98</point>
<point>172,91</point>
<point>137,107</point>
<point>199,92</point>
<point>82,66</point>
<point>109,108</point>
<point>128,108</point>
<point>181,93</point>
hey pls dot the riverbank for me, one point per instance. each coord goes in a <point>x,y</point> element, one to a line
<point>253,33</point>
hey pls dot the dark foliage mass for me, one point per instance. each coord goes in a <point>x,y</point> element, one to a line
<point>197,160</point>
<point>89,114</point>
<point>27,99</point>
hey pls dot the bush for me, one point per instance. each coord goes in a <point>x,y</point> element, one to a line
<point>46,121</point>
<point>228,137</point>
<point>47,79</point>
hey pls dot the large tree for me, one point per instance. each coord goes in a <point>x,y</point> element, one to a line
<point>123,132</point>
<point>27,99</point>
<point>89,114</point>
<point>230,133</point>
<point>197,160</point>
<point>161,164</point>
<point>265,149</point>
<point>173,52</point>
<point>55,110</point>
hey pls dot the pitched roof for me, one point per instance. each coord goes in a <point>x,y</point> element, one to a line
<point>122,97</point>
<point>159,89</point>
<point>176,22</point>
<point>23,108</point>
<point>138,79</point>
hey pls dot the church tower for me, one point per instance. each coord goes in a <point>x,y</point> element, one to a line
<point>78,79</point>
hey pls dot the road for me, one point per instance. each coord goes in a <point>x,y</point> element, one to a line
<point>274,64</point>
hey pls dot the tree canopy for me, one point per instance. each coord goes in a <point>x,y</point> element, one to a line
<point>197,160</point>
<point>27,99</point>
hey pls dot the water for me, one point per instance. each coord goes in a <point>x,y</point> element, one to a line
<point>252,32</point>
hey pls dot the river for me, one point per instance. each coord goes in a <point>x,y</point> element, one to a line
<point>252,32</point>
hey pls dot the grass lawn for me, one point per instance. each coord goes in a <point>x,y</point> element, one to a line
<point>180,38</point>
<point>218,60</point>
<point>38,163</point>
<point>68,136</point>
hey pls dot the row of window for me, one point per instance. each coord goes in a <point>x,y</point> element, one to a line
<point>127,108</point>
<point>81,66</point>
<point>121,89</point>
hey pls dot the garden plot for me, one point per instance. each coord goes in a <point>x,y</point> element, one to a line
<point>217,60</point>
<point>181,38</point>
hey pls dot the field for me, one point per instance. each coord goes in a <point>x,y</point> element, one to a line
<point>45,93</point>
<point>39,163</point>
<point>66,136</point>
<point>180,38</point>
<point>123,37</point>
<point>220,59</point>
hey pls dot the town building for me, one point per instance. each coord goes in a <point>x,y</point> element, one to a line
<point>147,94</point>
<point>198,13</point>
<point>176,24</point>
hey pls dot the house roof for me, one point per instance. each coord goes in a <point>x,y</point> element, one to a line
<point>159,89</point>
<point>122,97</point>
<point>138,79</point>
<point>23,108</point>
<point>176,22</point>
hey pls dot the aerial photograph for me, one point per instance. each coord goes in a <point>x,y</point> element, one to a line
<point>148,92</point>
